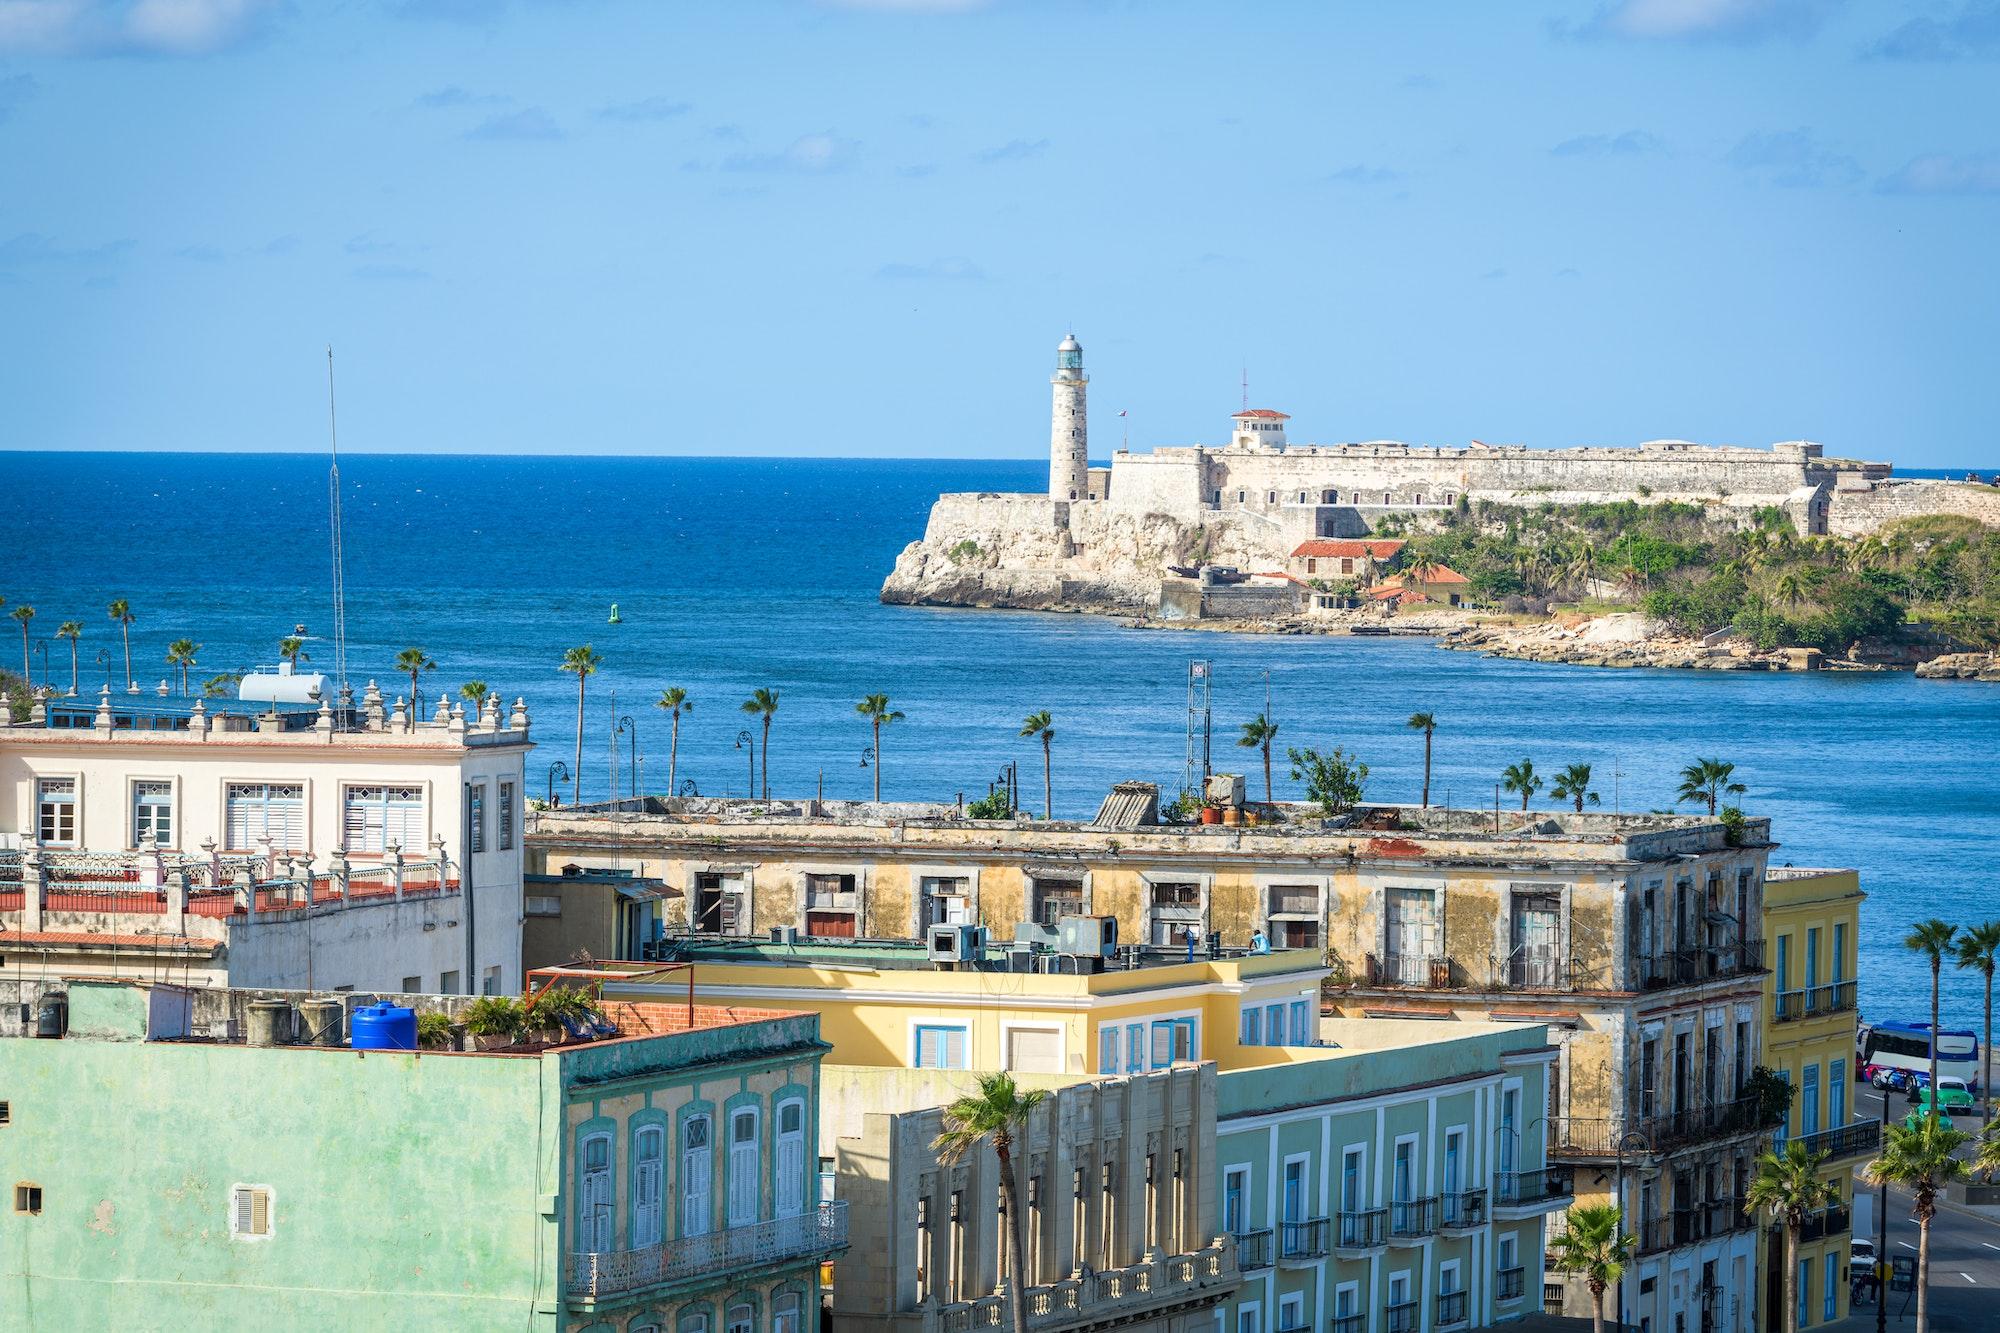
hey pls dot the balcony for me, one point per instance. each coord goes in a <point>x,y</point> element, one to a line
<point>1533,1189</point>
<point>1114,1296</point>
<point>1857,1138</point>
<point>1509,1284</point>
<point>1692,1224</point>
<point>1350,1323</point>
<point>1361,1231</point>
<point>1788,1006</point>
<point>1402,1318</point>
<point>1253,1250</point>
<point>1450,1308</point>
<point>1422,970</point>
<point>1533,969</point>
<point>1830,1221</point>
<point>1600,1139</point>
<point>1720,1217</point>
<point>1709,962</point>
<point>1302,1240</point>
<point>1832,998</point>
<point>1413,1219</point>
<point>810,1236</point>
<point>1467,1208</point>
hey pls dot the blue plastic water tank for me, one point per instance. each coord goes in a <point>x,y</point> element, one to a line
<point>384,1027</point>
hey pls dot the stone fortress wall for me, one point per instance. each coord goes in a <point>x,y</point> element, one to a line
<point>1249,503</point>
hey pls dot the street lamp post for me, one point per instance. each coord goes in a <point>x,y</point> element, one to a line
<point>43,649</point>
<point>104,660</point>
<point>744,742</point>
<point>630,730</point>
<point>556,770</point>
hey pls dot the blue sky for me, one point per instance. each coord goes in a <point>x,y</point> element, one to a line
<point>861,228</point>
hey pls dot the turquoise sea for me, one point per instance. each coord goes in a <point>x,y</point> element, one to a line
<point>733,573</point>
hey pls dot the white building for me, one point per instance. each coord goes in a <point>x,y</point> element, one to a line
<point>263,844</point>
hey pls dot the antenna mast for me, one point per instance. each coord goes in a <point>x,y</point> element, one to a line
<point>346,697</point>
<point>1246,388</point>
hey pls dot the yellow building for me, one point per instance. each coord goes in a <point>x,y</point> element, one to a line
<point>1811,923</point>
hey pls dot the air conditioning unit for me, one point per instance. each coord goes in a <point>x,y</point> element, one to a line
<point>955,942</point>
<point>1087,936</point>
<point>784,934</point>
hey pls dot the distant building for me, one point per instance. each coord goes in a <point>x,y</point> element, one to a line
<point>663,1178</point>
<point>1438,583</point>
<point>1332,558</point>
<point>263,843</point>
<point>597,913</point>
<point>1812,923</point>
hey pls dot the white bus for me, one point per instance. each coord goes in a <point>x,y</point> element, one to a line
<point>1898,1055</point>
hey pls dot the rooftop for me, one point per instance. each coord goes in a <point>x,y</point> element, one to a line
<point>1324,548</point>
<point>1261,414</point>
<point>994,956</point>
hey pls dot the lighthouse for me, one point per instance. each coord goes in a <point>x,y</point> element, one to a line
<point>1069,434</point>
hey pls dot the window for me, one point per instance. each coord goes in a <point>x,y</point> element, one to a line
<point>1135,1047</point>
<point>940,1047</point>
<point>27,1198</point>
<point>649,1153</point>
<point>489,984</point>
<point>6,1113</point>
<point>506,816</point>
<point>1831,1302</point>
<point>1107,1049</point>
<point>944,901</point>
<point>274,810</point>
<point>1301,1024</point>
<point>544,904</point>
<point>1805,1292</point>
<point>1251,1026</point>
<point>448,982</point>
<point>55,811</point>
<point>785,1313</point>
<point>413,985</point>
<point>594,1197</point>
<point>250,1212</point>
<point>1784,967</point>
<point>740,1319</point>
<point>475,815</point>
<point>694,1323</point>
<point>153,812</point>
<point>1236,1200</point>
<point>1034,1051</point>
<point>697,1172</point>
<point>1057,898</point>
<point>1836,1094</point>
<point>1812,957</point>
<point>1809,1100</point>
<point>745,1171</point>
<point>790,1183</point>
<point>1274,1024</point>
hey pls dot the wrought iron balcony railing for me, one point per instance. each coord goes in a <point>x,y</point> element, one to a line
<point>1465,1208</point>
<point>1253,1249</point>
<point>1602,1138</point>
<point>1412,1219</point>
<point>1302,1240</point>
<point>1450,1308</point>
<point>1510,1283</point>
<point>814,1234</point>
<point>1857,1138</point>
<point>1707,962</point>
<point>1834,997</point>
<point>1350,1323</point>
<point>1432,971</point>
<point>1832,1221</point>
<point>1402,1317</point>
<point>1115,1294</point>
<point>1525,1189</point>
<point>1361,1230</point>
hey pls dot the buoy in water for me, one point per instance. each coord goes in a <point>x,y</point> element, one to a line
<point>615,618</point>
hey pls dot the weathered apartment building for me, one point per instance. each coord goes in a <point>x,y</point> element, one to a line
<point>1636,939</point>
<point>254,842</point>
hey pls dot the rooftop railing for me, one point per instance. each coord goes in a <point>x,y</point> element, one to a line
<point>1114,1293</point>
<point>817,1233</point>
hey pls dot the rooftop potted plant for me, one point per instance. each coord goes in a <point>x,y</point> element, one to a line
<point>492,1021</point>
<point>436,1031</point>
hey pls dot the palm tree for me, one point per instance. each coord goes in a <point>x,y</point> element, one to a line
<point>1922,1161</point>
<point>1933,939</point>
<point>121,612</point>
<point>1979,950</point>
<point>413,661</point>
<point>1789,1189</point>
<point>1708,780</point>
<point>1042,725</point>
<point>474,692</point>
<point>1791,587</point>
<point>292,649</point>
<point>997,1114</point>
<point>763,703</point>
<point>1521,778</point>
<point>876,709</point>
<point>1591,1248</point>
<point>1573,784</point>
<point>1258,733</point>
<point>181,653</point>
<point>71,630</point>
<point>1427,724</point>
<point>1420,571</point>
<point>22,615</point>
<point>218,687</point>
<point>675,700</point>
<point>584,662</point>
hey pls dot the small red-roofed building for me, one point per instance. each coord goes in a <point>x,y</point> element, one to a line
<point>1329,558</point>
<point>1439,583</point>
<point>1258,428</point>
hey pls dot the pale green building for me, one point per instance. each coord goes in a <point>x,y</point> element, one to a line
<point>165,1172</point>
<point>1395,1183</point>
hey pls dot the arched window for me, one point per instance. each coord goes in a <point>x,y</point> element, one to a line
<point>649,1150</point>
<point>745,1168</point>
<point>785,1313</point>
<point>697,1176</point>
<point>740,1319</point>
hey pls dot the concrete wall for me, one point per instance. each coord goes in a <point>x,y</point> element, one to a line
<point>1858,511</point>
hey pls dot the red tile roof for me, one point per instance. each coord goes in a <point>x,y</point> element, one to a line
<point>1325,548</point>
<point>1262,414</point>
<point>1440,576</point>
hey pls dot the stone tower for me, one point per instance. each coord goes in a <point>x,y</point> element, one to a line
<point>1069,443</point>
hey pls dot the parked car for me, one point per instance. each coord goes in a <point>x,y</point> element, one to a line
<point>1915,1119</point>
<point>1952,1095</point>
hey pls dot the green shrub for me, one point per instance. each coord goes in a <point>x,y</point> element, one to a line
<point>993,805</point>
<point>495,1016</point>
<point>434,1030</point>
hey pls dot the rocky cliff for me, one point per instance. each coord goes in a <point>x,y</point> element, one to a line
<point>1032,553</point>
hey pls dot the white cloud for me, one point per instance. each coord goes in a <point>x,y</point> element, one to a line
<point>810,155</point>
<point>1708,20</point>
<point>127,27</point>
<point>1941,173</point>
<point>1793,158</point>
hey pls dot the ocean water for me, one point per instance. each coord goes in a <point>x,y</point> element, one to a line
<point>731,574</point>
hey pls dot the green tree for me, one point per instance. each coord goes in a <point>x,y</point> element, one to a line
<point>1523,779</point>
<point>218,687</point>
<point>292,649</point>
<point>584,662</point>
<point>1708,780</point>
<point>71,630</point>
<point>1591,1248</point>
<point>1789,1190</point>
<point>1922,1161</point>
<point>121,613</point>
<point>1792,588</point>
<point>1042,725</point>
<point>876,709</point>
<point>996,1115</point>
<point>1978,950</point>
<point>674,700</point>
<point>1335,782</point>
<point>1573,784</point>
<point>415,663</point>
<point>1258,733</point>
<point>1427,724</point>
<point>763,703</point>
<point>1932,940</point>
<point>22,615</point>
<point>181,653</point>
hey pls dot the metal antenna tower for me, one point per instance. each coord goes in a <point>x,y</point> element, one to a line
<point>345,695</point>
<point>1197,766</point>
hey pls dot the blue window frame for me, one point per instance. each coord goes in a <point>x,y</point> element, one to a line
<point>1251,1028</point>
<point>1301,1024</point>
<point>1107,1049</point>
<point>1135,1047</point>
<point>941,1047</point>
